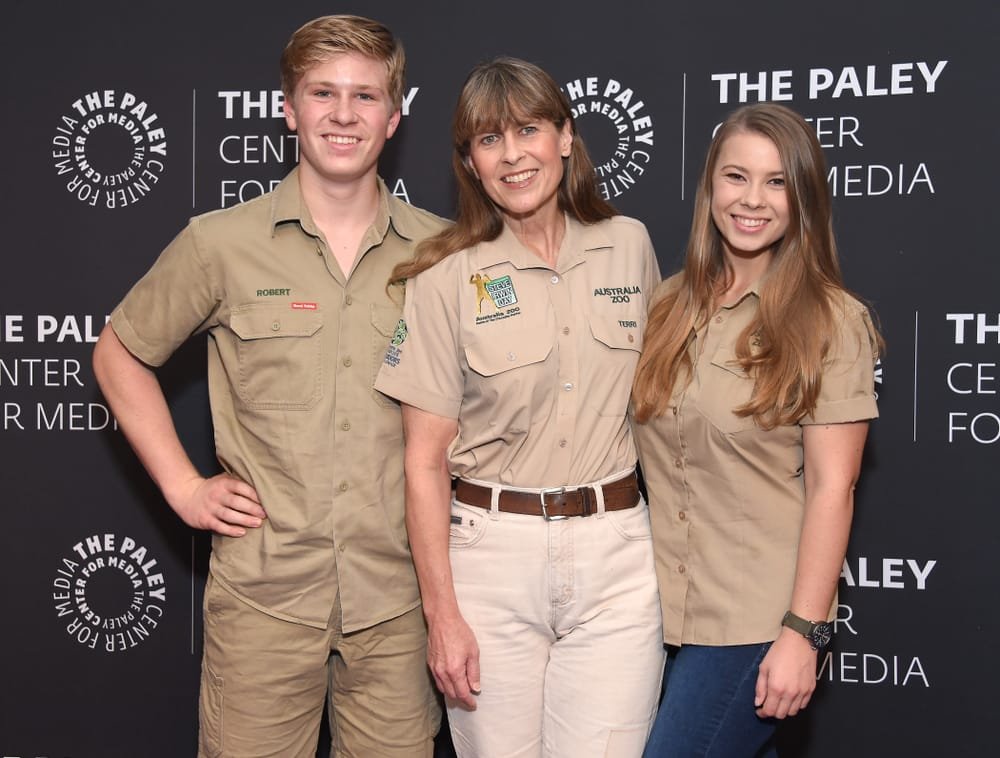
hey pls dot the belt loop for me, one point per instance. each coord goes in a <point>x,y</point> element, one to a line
<point>599,491</point>
<point>495,503</point>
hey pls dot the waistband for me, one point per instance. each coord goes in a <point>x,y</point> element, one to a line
<point>555,502</point>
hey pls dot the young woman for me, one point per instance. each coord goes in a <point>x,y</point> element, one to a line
<point>522,329</point>
<point>752,401</point>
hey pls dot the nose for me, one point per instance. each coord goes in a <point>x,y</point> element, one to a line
<point>342,110</point>
<point>512,150</point>
<point>753,195</point>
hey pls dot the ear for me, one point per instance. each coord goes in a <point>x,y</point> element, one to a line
<point>289,109</point>
<point>467,160</point>
<point>566,139</point>
<point>393,124</point>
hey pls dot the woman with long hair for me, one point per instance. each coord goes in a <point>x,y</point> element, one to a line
<point>514,362</point>
<point>752,401</point>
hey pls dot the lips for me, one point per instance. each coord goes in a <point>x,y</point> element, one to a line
<point>518,178</point>
<point>745,222</point>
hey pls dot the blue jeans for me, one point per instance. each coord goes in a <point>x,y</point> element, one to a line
<point>707,708</point>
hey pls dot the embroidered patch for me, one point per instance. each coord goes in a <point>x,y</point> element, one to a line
<point>399,336</point>
<point>500,292</point>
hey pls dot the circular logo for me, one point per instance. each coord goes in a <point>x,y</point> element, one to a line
<point>618,131</point>
<point>109,593</point>
<point>109,149</point>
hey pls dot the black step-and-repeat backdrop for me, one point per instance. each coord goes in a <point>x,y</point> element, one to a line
<point>125,118</point>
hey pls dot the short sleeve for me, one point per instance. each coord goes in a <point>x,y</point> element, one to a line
<point>422,363</point>
<point>847,392</point>
<point>175,299</point>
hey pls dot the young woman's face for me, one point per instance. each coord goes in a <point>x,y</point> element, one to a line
<point>749,202</point>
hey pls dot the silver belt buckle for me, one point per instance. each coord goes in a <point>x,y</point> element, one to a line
<point>551,491</point>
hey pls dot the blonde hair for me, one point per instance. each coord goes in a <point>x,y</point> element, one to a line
<point>495,95</point>
<point>316,41</point>
<point>795,322</point>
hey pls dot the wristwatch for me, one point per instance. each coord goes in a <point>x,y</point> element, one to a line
<point>818,633</point>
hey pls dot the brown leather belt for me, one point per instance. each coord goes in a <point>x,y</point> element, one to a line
<point>554,503</point>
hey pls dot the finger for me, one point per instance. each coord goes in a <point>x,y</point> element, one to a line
<point>235,517</point>
<point>243,489</point>
<point>472,672</point>
<point>760,689</point>
<point>226,530</point>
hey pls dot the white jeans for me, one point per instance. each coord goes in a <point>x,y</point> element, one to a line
<point>567,617</point>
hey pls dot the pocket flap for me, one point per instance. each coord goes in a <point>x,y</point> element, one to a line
<point>503,352</point>
<point>253,322</point>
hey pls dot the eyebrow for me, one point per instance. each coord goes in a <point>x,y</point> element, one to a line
<point>747,171</point>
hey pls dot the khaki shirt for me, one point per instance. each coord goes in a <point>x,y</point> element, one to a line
<point>293,350</point>
<point>536,364</point>
<point>727,498</point>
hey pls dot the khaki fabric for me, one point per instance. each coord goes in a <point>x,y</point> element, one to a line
<point>264,682</point>
<point>293,349</point>
<point>726,497</point>
<point>535,364</point>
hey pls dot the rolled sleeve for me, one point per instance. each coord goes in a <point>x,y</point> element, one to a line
<point>848,390</point>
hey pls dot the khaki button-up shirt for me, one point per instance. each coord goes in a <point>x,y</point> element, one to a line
<point>536,364</point>
<point>294,346</point>
<point>726,497</point>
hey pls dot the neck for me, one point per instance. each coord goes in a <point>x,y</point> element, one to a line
<point>541,233</point>
<point>342,204</point>
<point>746,271</point>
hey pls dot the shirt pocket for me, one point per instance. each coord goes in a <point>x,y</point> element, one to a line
<point>508,381</point>
<point>725,386</point>
<point>385,319</point>
<point>279,355</point>
<point>612,368</point>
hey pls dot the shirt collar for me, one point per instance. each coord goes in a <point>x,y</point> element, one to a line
<point>578,240</point>
<point>287,206</point>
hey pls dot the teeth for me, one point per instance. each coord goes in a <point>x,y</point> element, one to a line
<point>337,140</point>
<point>515,178</point>
<point>750,221</point>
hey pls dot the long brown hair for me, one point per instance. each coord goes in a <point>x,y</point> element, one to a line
<point>795,322</point>
<point>495,95</point>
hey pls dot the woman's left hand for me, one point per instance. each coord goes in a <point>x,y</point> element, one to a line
<point>787,676</point>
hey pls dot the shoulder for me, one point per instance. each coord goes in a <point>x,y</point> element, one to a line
<point>253,216</point>
<point>413,222</point>
<point>627,228</point>
<point>669,286</point>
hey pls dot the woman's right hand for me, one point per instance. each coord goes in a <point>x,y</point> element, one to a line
<point>453,658</point>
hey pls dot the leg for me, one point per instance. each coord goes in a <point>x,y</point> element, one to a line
<point>499,573</point>
<point>263,681</point>
<point>382,699</point>
<point>603,679</point>
<point>707,708</point>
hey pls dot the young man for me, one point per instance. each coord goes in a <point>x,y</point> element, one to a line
<point>311,595</point>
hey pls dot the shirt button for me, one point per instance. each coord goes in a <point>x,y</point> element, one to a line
<point>682,515</point>
<point>342,548</point>
<point>673,409</point>
<point>348,300</point>
<point>348,361</point>
<point>343,486</point>
<point>346,426</point>
<point>718,319</point>
<point>562,443</point>
<point>555,279</point>
<point>511,357</point>
<point>275,326</point>
<point>681,568</point>
<point>565,330</point>
<point>631,338</point>
<point>568,386</point>
<point>678,462</point>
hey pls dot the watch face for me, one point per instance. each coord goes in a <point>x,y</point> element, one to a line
<point>821,635</point>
